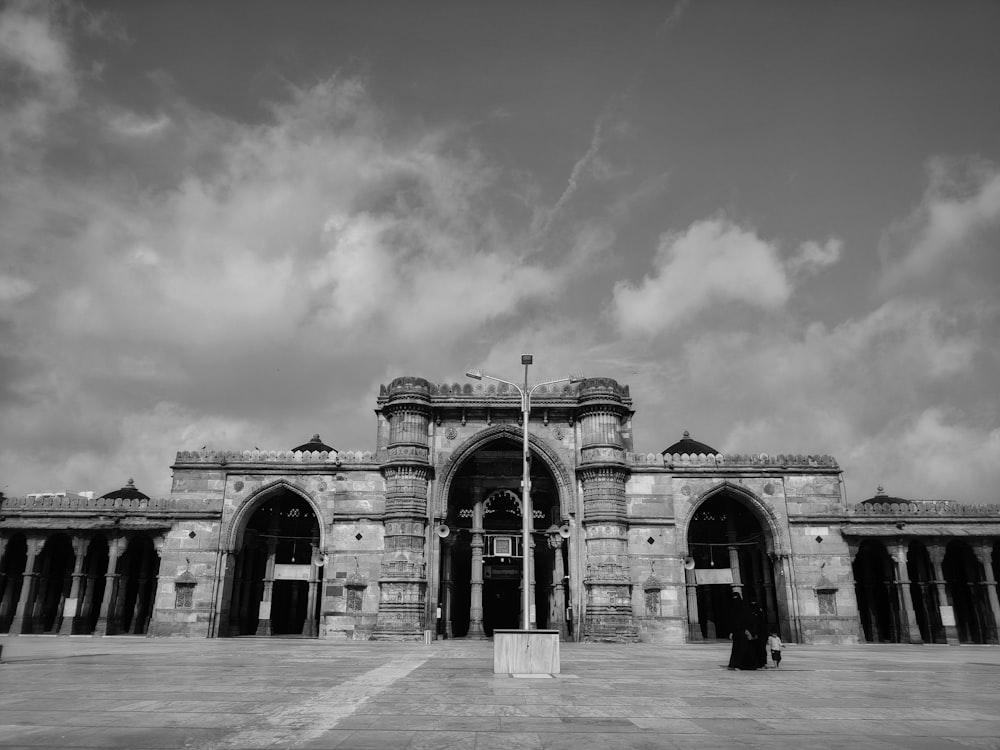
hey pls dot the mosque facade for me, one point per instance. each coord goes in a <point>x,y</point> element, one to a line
<point>421,538</point>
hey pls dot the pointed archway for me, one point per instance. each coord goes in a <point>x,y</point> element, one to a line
<point>731,542</point>
<point>274,582</point>
<point>481,554</point>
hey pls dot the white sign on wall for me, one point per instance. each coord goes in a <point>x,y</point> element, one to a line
<point>289,572</point>
<point>947,616</point>
<point>710,576</point>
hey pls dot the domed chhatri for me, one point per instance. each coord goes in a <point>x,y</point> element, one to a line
<point>315,444</point>
<point>128,492</point>
<point>689,445</point>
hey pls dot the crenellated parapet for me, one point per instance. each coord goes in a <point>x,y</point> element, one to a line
<point>924,508</point>
<point>224,458</point>
<point>90,505</point>
<point>734,461</point>
<point>473,392</point>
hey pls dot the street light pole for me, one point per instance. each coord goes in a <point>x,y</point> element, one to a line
<point>527,514</point>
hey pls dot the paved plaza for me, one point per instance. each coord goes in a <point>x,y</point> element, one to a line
<point>126,692</point>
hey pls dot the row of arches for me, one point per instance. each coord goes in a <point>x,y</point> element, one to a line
<point>77,585</point>
<point>914,592</point>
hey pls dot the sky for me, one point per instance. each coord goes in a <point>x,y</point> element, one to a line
<point>225,224</point>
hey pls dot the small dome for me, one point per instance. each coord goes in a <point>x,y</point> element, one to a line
<point>128,492</point>
<point>881,497</point>
<point>315,444</point>
<point>689,445</point>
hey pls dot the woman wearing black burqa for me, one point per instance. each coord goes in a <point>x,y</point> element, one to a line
<point>743,655</point>
<point>759,644</point>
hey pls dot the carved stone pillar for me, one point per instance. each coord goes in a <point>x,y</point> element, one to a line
<point>403,579</point>
<point>264,613</point>
<point>22,622</point>
<point>476,630</point>
<point>309,626</point>
<point>71,607</point>
<point>936,553</point>
<point>557,595</point>
<point>447,583</point>
<point>105,622</point>
<point>693,616</point>
<point>909,628</point>
<point>984,553</point>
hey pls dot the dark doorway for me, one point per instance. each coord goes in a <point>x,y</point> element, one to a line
<point>728,548</point>
<point>281,536</point>
<point>482,559</point>
<point>288,609</point>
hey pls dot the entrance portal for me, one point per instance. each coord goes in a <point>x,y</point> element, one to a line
<point>729,549</point>
<point>275,583</point>
<point>482,555</point>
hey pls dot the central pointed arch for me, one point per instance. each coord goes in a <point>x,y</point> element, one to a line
<point>777,544</point>
<point>243,514</point>
<point>564,482</point>
<point>731,538</point>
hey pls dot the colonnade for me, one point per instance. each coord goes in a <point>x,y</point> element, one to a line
<point>62,584</point>
<point>938,591</point>
<point>551,555</point>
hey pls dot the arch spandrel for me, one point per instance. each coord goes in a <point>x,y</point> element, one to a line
<point>777,543</point>
<point>480,440</point>
<point>237,524</point>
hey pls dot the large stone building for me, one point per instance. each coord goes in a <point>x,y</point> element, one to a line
<point>423,534</point>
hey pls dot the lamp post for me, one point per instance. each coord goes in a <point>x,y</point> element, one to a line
<point>526,510</point>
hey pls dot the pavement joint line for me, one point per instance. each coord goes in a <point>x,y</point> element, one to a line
<point>302,723</point>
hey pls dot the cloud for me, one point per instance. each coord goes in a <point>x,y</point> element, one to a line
<point>814,256</point>
<point>713,262</point>
<point>957,219</point>
<point>37,79</point>
<point>228,268</point>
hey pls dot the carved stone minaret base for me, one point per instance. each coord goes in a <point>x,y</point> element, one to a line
<point>609,614</point>
<point>403,577</point>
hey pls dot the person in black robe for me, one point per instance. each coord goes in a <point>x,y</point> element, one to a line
<point>744,628</point>
<point>759,630</point>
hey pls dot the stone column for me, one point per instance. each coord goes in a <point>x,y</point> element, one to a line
<point>936,553</point>
<point>984,553</point>
<point>691,589</point>
<point>105,622</point>
<point>910,629</point>
<point>402,611</point>
<point>72,608</point>
<point>447,584</point>
<point>557,598</point>
<point>6,583</point>
<point>476,631</point>
<point>22,622</point>
<point>264,613</point>
<point>309,626</point>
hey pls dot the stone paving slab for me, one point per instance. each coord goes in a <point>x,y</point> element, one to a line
<point>126,692</point>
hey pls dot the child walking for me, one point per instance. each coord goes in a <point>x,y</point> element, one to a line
<point>774,646</point>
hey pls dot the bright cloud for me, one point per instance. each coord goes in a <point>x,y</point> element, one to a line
<point>713,262</point>
<point>958,216</point>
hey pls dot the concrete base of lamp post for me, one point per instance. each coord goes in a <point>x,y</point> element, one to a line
<point>526,652</point>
